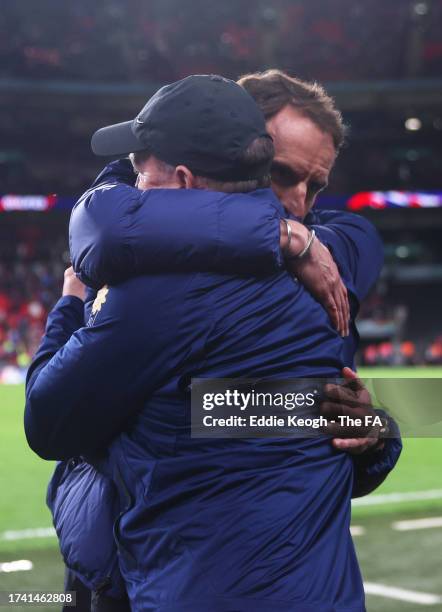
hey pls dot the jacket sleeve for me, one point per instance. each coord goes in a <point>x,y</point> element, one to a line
<point>356,248</point>
<point>358,252</point>
<point>372,468</point>
<point>117,231</point>
<point>86,382</point>
<point>59,390</point>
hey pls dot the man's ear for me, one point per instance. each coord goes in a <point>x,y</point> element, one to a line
<point>184,177</point>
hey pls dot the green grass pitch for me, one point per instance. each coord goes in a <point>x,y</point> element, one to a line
<point>410,560</point>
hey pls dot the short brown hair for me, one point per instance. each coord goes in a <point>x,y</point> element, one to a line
<point>274,89</point>
<point>259,154</point>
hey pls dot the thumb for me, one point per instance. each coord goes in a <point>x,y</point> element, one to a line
<point>354,382</point>
<point>348,374</point>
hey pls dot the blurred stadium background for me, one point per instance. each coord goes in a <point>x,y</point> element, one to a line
<point>67,68</point>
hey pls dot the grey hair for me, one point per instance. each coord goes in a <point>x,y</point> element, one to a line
<point>260,152</point>
<point>140,157</point>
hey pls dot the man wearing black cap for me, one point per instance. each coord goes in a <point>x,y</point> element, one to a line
<point>204,122</point>
<point>207,125</point>
<point>203,524</point>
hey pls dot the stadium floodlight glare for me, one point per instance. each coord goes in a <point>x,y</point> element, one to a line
<point>421,8</point>
<point>413,124</point>
<point>402,251</point>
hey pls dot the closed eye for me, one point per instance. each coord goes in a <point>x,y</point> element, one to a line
<point>316,186</point>
<point>283,175</point>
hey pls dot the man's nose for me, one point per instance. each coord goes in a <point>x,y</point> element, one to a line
<point>300,200</point>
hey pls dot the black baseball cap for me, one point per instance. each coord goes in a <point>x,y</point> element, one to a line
<point>204,122</point>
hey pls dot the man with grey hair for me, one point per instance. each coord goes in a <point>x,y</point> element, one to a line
<point>156,171</point>
<point>308,132</point>
<point>146,331</point>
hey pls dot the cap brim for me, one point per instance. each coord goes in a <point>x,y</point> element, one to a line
<point>116,139</point>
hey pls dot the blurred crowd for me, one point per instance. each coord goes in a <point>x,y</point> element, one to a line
<point>34,255</point>
<point>163,40</point>
<point>31,274</point>
<point>129,41</point>
<point>27,292</point>
<point>406,353</point>
<point>45,140</point>
<point>400,330</point>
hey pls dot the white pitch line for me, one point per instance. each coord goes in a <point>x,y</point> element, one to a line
<point>357,530</point>
<point>424,599</point>
<point>28,534</point>
<point>426,523</point>
<point>23,565</point>
<point>396,498</point>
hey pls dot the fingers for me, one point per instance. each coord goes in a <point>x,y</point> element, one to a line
<point>340,394</point>
<point>340,295</point>
<point>72,285</point>
<point>345,421</point>
<point>344,394</point>
<point>342,309</point>
<point>353,380</point>
<point>340,298</point>
<point>354,446</point>
<point>347,308</point>
<point>333,289</point>
<point>320,275</point>
<point>339,408</point>
<point>333,312</point>
<point>342,312</point>
<point>349,374</point>
<point>352,392</point>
